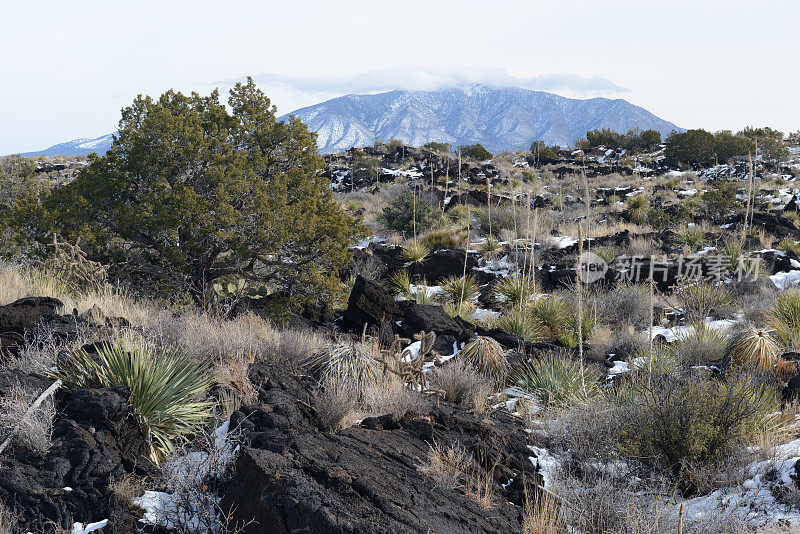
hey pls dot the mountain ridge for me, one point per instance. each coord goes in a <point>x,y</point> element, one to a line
<point>498,118</point>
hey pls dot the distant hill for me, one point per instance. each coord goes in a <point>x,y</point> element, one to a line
<point>498,118</point>
<point>76,147</point>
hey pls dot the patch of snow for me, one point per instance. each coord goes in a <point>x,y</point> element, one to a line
<point>79,528</point>
<point>786,280</point>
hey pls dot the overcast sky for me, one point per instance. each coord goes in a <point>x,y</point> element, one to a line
<point>67,68</point>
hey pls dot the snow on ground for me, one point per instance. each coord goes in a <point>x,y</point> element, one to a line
<point>755,500</point>
<point>563,241</point>
<point>786,280</point>
<point>80,528</point>
<point>672,333</point>
<point>161,508</point>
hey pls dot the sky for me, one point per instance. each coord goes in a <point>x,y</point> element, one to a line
<point>67,68</point>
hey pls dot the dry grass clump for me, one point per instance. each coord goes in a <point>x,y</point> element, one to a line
<point>542,515</point>
<point>446,466</point>
<point>126,488</point>
<point>32,432</point>
<point>247,336</point>
<point>699,345</point>
<point>335,403</point>
<point>235,388</point>
<point>480,488</point>
<point>8,522</point>
<point>462,384</point>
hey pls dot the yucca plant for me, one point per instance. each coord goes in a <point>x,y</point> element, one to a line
<point>515,289</point>
<point>486,354</point>
<point>754,347</point>
<point>353,364</point>
<point>521,323</point>
<point>568,335</point>
<point>637,207</point>
<point>400,282</point>
<point>460,288</point>
<point>167,388</point>
<point>789,245</point>
<point>466,310</point>
<point>553,312</point>
<point>784,319</point>
<point>607,254</point>
<point>693,237</point>
<point>556,380</point>
<point>415,252</point>
<point>491,246</point>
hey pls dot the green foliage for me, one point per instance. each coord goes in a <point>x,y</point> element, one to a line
<point>677,424</point>
<point>720,201</point>
<point>543,153</point>
<point>771,145</point>
<point>784,319</point>
<point>415,252</point>
<point>557,380</point>
<point>400,214</point>
<point>789,245</point>
<point>692,147</point>
<point>167,388</point>
<point>475,151</point>
<point>363,167</point>
<point>700,345</point>
<point>693,237</point>
<point>635,140</point>
<point>459,289</point>
<point>442,148</point>
<point>400,282</point>
<point>515,290</point>
<point>18,179</point>
<point>521,323</point>
<point>190,192</point>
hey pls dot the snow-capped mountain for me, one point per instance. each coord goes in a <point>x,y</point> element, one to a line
<point>498,118</point>
<point>76,147</point>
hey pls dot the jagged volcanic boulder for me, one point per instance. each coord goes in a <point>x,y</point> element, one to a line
<point>442,264</point>
<point>25,314</point>
<point>96,440</point>
<point>367,479</point>
<point>369,303</point>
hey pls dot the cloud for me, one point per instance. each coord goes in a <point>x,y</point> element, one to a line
<point>292,92</point>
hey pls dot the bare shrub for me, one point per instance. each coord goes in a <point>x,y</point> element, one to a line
<point>462,384</point>
<point>585,434</point>
<point>126,488</point>
<point>391,396</point>
<point>446,466</point>
<point>627,304</point>
<point>643,246</point>
<point>34,431</point>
